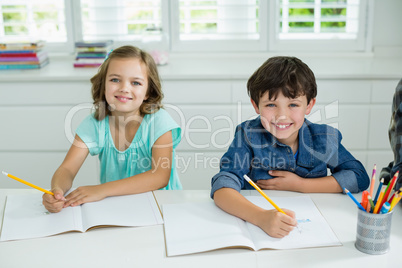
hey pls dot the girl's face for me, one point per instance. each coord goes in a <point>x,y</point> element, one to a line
<point>126,86</point>
<point>283,117</point>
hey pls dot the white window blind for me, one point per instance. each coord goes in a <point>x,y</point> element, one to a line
<point>119,20</point>
<point>219,19</point>
<point>221,25</point>
<point>319,19</point>
<point>33,20</point>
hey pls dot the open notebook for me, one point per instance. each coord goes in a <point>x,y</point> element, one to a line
<point>199,227</point>
<point>26,217</point>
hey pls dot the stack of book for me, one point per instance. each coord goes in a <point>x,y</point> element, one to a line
<point>23,55</point>
<point>91,54</point>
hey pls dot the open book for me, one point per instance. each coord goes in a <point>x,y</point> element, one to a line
<point>199,227</point>
<point>26,217</point>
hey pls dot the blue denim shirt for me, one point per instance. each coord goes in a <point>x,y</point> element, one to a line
<point>254,151</point>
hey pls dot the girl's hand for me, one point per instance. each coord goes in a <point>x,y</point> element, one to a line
<point>54,203</point>
<point>283,180</point>
<point>277,224</point>
<point>85,194</point>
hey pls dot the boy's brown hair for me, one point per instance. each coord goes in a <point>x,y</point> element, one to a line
<point>288,75</point>
<point>154,93</point>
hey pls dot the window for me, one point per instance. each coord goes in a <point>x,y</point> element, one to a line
<point>190,25</point>
<point>319,25</point>
<point>33,20</point>
<point>232,25</point>
<point>120,20</point>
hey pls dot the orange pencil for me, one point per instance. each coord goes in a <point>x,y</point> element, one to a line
<point>365,199</point>
<point>379,201</point>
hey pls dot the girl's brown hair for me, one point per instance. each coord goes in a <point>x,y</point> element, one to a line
<point>154,93</point>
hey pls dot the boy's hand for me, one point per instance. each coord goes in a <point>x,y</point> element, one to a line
<point>54,203</point>
<point>277,224</point>
<point>283,180</point>
<point>84,194</point>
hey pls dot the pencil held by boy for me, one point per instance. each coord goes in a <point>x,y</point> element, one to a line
<point>133,136</point>
<point>281,150</point>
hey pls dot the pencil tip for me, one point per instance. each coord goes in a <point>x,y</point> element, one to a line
<point>346,190</point>
<point>5,173</point>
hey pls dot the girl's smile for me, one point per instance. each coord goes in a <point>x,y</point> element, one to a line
<point>123,99</point>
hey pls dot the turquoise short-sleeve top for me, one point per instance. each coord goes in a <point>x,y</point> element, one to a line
<point>137,158</point>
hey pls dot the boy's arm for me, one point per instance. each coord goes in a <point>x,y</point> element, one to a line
<point>288,181</point>
<point>156,178</point>
<point>273,222</point>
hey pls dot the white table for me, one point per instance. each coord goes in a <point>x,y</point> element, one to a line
<point>145,246</point>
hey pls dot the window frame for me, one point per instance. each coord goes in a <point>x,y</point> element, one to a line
<point>321,45</point>
<point>268,27</point>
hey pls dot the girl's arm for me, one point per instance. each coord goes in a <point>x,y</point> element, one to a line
<point>273,222</point>
<point>63,177</point>
<point>156,178</point>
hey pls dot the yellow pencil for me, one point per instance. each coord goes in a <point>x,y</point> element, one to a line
<point>395,201</point>
<point>27,183</point>
<point>263,194</point>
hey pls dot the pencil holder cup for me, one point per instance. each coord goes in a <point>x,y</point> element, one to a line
<point>373,232</point>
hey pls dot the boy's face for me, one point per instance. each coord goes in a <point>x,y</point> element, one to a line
<point>283,117</point>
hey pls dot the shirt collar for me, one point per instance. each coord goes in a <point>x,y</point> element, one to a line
<point>256,134</point>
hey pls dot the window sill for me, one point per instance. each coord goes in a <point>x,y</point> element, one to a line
<point>224,67</point>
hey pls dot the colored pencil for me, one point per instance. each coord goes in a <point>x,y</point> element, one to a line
<point>371,203</point>
<point>379,201</point>
<point>396,193</point>
<point>378,190</point>
<point>27,183</point>
<point>364,201</point>
<point>373,180</point>
<point>395,201</point>
<point>389,188</point>
<point>354,200</point>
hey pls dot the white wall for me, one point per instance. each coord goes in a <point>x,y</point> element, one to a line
<point>387,25</point>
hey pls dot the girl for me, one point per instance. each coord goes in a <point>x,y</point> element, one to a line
<point>134,138</point>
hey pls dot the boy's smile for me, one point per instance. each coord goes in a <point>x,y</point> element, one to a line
<point>283,116</point>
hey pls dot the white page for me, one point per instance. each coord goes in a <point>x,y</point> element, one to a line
<point>313,230</point>
<point>127,210</point>
<point>26,217</point>
<point>199,227</point>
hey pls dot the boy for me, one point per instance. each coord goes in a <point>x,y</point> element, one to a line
<point>395,139</point>
<point>281,150</point>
